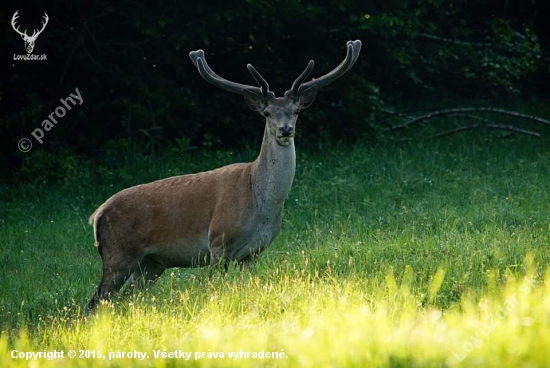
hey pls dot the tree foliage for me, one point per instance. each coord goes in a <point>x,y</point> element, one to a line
<point>130,59</point>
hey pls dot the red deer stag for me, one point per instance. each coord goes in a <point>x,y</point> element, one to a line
<point>231,213</point>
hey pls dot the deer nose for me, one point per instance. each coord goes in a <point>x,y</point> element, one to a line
<point>286,131</point>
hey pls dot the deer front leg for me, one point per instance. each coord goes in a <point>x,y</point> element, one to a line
<point>249,260</point>
<point>145,275</point>
<point>217,256</point>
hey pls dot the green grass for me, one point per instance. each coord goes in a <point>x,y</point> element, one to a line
<point>394,255</point>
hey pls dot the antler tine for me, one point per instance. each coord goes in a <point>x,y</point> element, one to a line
<point>301,78</point>
<point>260,80</point>
<point>197,57</point>
<point>353,49</point>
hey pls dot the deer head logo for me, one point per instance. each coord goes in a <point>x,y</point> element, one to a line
<point>29,40</point>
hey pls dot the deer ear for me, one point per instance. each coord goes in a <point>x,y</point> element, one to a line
<point>254,101</point>
<point>307,97</point>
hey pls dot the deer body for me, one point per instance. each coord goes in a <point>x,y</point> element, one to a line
<point>226,207</point>
<point>230,213</point>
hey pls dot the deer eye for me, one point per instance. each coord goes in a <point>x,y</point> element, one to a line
<point>295,112</point>
<point>267,114</point>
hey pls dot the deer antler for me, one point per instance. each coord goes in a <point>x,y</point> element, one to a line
<point>197,57</point>
<point>353,49</point>
<point>15,16</point>
<point>35,33</point>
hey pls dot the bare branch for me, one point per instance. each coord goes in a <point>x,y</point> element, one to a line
<point>475,117</point>
<point>544,55</point>
<point>397,114</point>
<point>450,40</point>
<point>461,110</point>
<point>509,128</point>
<point>152,113</point>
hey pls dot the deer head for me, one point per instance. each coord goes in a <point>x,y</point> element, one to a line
<point>29,40</point>
<point>280,112</point>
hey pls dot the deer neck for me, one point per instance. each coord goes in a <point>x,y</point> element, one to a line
<point>273,172</point>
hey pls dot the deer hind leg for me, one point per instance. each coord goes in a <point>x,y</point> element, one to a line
<point>116,270</point>
<point>144,276</point>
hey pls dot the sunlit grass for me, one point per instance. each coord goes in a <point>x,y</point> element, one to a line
<point>390,256</point>
<point>313,321</point>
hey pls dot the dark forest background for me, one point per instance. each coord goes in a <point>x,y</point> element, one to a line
<point>130,61</point>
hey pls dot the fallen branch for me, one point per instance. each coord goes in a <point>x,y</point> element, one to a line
<point>545,56</point>
<point>397,114</point>
<point>493,125</point>
<point>453,41</point>
<point>462,110</point>
<point>475,117</point>
<point>490,126</point>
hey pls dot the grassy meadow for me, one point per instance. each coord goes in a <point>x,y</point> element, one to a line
<point>423,253</point>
